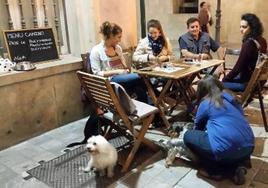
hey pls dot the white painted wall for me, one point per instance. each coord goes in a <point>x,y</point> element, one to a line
<point>84,18</point>
<point>81,23</point>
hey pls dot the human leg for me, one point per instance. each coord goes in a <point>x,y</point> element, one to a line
<point>197,141</point>
<point>234,86</point>
<point>129,80</point>
<point>132,84</point>
<point>235,162</point>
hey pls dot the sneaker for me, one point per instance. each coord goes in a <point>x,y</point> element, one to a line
<point>239,176</point>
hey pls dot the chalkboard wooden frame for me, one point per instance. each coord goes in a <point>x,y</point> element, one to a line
<point>34,45</point>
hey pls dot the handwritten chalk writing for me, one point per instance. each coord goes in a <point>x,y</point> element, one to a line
<point>14,35</point>
<point>41,48</point>
<point>13,43</point>
<point>19,58</point>
<point>31,45</point>
<point>36,33</point>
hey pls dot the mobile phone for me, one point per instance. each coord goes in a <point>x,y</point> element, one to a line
<point>188,60</point>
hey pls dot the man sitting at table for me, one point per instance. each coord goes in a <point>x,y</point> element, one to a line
<point>196,44</point>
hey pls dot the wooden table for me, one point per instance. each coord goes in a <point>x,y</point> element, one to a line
<point>188,71</point>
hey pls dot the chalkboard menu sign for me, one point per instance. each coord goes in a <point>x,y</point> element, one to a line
<point>31,45</point>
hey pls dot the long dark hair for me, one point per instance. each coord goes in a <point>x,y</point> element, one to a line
<point>108,29</point>
<point>211,88</point>
<point>156,24</point>
<point>255,25</point>
<point>202,4</point>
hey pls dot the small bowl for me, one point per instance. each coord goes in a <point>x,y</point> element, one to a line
<point>24,66</point>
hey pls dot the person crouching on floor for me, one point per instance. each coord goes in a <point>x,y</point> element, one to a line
<point>222,139</point>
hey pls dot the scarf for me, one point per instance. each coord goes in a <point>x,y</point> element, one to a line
<point>156,45</point>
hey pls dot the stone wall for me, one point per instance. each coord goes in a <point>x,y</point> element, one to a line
<point>175,24</point>
<point>40,100</point>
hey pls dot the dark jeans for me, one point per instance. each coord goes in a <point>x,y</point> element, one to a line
<point>132,84</point>
<point>197,141</point>
<point>235,84</point>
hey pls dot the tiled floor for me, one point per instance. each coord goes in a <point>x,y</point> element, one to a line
<point>14,161</point>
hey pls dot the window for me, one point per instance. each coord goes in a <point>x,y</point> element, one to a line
<point>19,14</point>
<point>185,6</point>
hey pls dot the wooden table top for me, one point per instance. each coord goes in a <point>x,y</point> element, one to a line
<point>185,69</point>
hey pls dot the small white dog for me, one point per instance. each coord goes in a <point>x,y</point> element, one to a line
<point>103,156</point>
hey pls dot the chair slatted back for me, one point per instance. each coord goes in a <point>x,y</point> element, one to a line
<point>252,83</point>
<point>98,88</point>
<point>102,93</point>
<point>86,63</point>
<point>264,71</point>
<point>227,51</point>
<point>255,86</point>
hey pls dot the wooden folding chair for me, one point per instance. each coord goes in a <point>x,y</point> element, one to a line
<point>85,62</point>
<point>228,51</point>
<point>255,86</point>
<point>101,91</point>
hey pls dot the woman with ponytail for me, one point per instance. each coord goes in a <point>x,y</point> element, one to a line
<point>107,60</point>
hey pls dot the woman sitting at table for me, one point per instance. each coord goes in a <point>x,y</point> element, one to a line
<point>251,28</point>
<point>222,138</point>
<point>107,60</point>
<point>154,45</point>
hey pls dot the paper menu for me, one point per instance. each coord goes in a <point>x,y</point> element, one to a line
<point>168,69</point>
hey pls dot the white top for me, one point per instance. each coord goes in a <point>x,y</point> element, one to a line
<point>100,61</point>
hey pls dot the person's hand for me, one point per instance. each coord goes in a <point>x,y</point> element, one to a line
<point>122,71</point>
<point>151,57</point>
<point>205,56</point>
<point>163,58</point>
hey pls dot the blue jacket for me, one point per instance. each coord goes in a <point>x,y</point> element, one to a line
<point>227,128</point>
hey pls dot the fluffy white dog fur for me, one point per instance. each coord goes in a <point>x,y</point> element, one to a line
<point>103,156</point>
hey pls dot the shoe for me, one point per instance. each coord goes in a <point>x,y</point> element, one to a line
<point>239,176</point>
<point>216,177</point>
<point>247,164</point>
